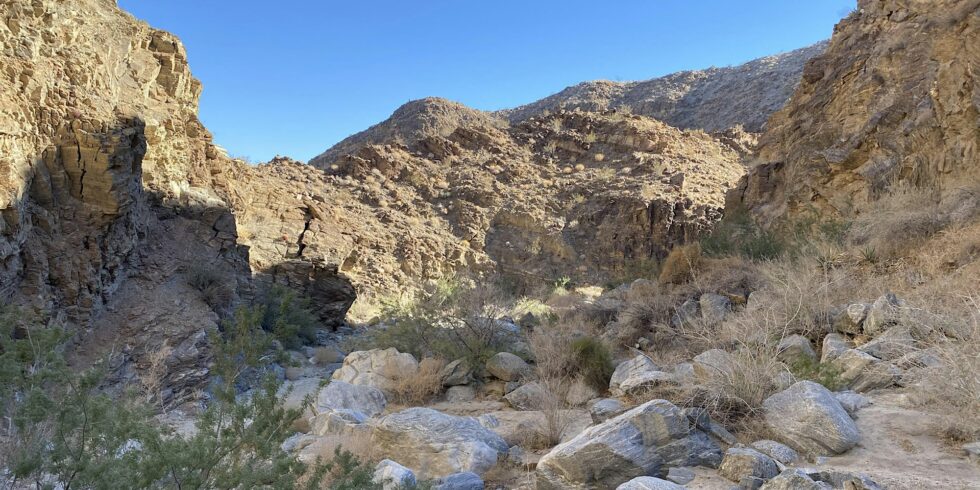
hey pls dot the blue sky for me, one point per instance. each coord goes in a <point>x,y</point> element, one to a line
<point>293,77</point>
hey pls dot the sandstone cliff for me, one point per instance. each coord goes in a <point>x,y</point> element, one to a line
<point>895,98</point>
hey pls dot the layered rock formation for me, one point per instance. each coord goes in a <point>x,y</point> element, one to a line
<point>577,194</point>
<point>714,99</point>
<point>895,98</point>
<point>112,191</point>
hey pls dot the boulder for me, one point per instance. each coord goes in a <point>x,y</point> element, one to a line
<point>808,418</point>
<point>687,313</point>
<point>460,393</point>
<point>466,480</point>
<point>378,368</point>
<point>340,395</point>
<point>680,475</point>
<point>435,444</point>
<point>295,393</point>
<point>640,383</point>
<point>393,476</point>
<point>605,409</point>
<point>860,371</point>
<point>714,308</point>
<point>532,396</point>
<point>342,422</point>
<point>883,312</point>
<point>747,467</point>
<point>777,451</point>
<point>795,349</point>
<point>891,344</point>
<point>456,373</point>
<point>834,344</point>
<point>793,479</point>
<point>972,450</point>
<point>636,366</point>
<point>506,366</point>
<point>649,483</point>
<point>852,402</point>
<point>643,441</point>
<point>850,319</point>
<point>713,362</point>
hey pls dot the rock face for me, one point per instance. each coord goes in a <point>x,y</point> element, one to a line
<point>112,191</point>
<point>570,193</point>
<point>434,444</point>
<point>807,417</point>
<point>643,441</point>
<point>699,99</point>
<point>875,108</point>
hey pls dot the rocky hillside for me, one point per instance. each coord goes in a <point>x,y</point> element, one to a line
<point>714,99</point>
<point>114,196</point>
<point>895,98</point>
<point>577,194</point>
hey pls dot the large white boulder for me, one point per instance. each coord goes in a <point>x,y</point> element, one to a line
<point>380,368</point>
<point>807,417</point>
<point>340,395</point>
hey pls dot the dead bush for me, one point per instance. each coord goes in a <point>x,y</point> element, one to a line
<point>680,264</point>
<point>417,388</point>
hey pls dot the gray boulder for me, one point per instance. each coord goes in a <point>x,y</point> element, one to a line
<point>637,385</point>
<point>850,319</point>
<point>378,368</point>
<point>777,451</point>
<point>747,467</point>
<point>456,373</point>
<point>339,395</point>
<point>834,344</point>
<point>636,366</point>
<point>531,396</point>
<point>680,475</point>
<point>807,417</point>
<point>686,314</point>
<point>460,393</point>
<point>507,366</point>
<point>891,344</point>
<point>861,372</point>
<point>795,348</point>
<point>852,402</point>
<point>393,476</point>
<point>466,480</point>
<point>605,409</point>
<point>883,313</point>
<point>338,422</point>
<point>714,362</point>
<point>714,308</point>
<point>649,483</point>
<point>434,444</point>
<point>794,479</point>
<point>643,441</point>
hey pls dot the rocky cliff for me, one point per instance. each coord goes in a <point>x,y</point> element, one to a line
<point>112,192</point>
<point>895,98</point>
<point>713,99</point>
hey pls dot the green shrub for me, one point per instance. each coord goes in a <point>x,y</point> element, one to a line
<point>289,317</point>
<point>593,362</point>
<point>826,374</point>
<point>738,234</point>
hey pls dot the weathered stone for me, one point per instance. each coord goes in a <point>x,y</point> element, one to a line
<point>433,443</point>
<point>714,362</point>
<point>378,368</point>
<point>466,480</point>
<point>747,464</point>
<point>883,312</point>
<point>850,319</point>
<point>643,441</point>
<point>460,393</point>
<point>795,349</point>
<point>972,450</point>
<point>393,476</point>
<point>714,308</point>
<point>456,373</point>
<point>793,479</point>
<point>340,395</point>
<point>852,402</point>
<point>640,364</point>
<point>605,409</point>
<point>507,367</point>
<point>861,371</point>
<point>686,314</point>
<point>807,417</point>
<point>834,344</point>
<point>636,385</point>
<point>649,483</point>
<point>779,452</point>
<point>680,475</point>
<point>531,396</point>
<point>891,344</point>
<point>338,422</point>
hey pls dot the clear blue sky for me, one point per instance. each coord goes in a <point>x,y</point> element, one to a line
<point>293,77</point>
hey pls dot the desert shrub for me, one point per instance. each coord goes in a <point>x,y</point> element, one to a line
<point>819,372</point>
<point>348,472</point>
<point>455,319</point>
<point>592,362</point>
<point>216,290</point>
<point>904,216</point>
<point>680,264</point>
<point>289,316</point>
<point>419,387</point>
<point>734,396</point>
<point>65,431</point>
<point>738,234</point>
